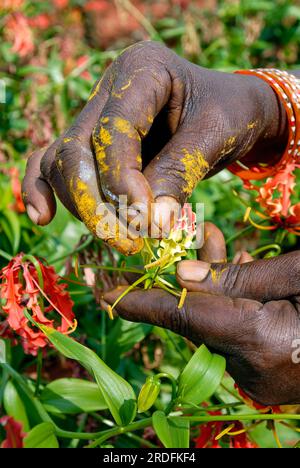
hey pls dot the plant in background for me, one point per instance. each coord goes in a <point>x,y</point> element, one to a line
<point>86,390</point>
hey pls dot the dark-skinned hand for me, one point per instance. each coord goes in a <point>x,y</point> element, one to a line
<point>248,311</point>
<point>155,124</point>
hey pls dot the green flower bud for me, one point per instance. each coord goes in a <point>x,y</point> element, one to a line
<point>148,394</point>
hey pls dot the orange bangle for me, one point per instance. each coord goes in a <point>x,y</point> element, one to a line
<point>280,174</point>
<point>287,88</point>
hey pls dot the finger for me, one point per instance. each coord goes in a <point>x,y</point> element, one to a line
<point>185,159</point>
<point>214,247</point>
<point>139,92</point>
<point>37,194</point>
<point>263,280</point>
<point>51,174</point>
<point>204,318</point>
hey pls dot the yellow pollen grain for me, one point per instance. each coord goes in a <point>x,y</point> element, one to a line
<point>195,168</point>
<point>104,120</point>
<point>126,86</point>
<point>59,163</point>
<point>66,140</point>
<point>125,127</point>
<point>230,141</point>
<point>216,274</point>
<point>105,136</point>
<point>150,119</point>
<point>252,125</point>
<point>96,90</point>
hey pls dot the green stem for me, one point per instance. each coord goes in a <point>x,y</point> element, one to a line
<point>78,249</point>
<point>130,288</point>
<point>243,417</point>
<point>109,423</point>
<point>264,248</point>
<point>111,268</point>
<point>135,426</point>
<point>239,234</point>
<point>38,371</point>
<point>164,375</point>
<point>166,288</point>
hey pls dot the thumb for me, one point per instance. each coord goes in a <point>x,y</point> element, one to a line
<point>262,280</point>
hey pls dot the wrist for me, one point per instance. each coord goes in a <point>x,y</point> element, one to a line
<point>270,111</point>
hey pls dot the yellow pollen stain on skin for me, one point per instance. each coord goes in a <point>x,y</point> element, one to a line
<point>125,127</point>
<point>252,125</point>
<point>100,156</point>
<point>104,120</point>
<point>117,172</point>
<point>59,163</point>
<point>229,146</point>
<point>195,168</point>
<point>85,204</point>
<point>105,136</point>
<point>127,85</point>
<point>96,90</point>
<point>150,119</point>
<point>216,274</point>
<point>67,140</point>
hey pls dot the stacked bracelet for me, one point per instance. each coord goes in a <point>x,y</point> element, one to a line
<point>280,178</point>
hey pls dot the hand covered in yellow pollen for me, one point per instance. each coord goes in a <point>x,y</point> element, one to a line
<point>153,127</point>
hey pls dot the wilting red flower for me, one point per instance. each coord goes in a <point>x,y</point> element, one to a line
<point>21,289</point>
<point>18,31</point>
<point>209,431</point>
<point>16,189</point>
<point>14,433</point>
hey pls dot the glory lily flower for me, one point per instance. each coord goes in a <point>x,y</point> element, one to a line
<point>274,196</point>
<point>28,284</point>
<point>14,433</point>
<point>211,433</point>
<point>159,256</point>
<point>18,31</point>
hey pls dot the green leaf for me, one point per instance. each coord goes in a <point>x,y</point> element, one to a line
<point>14,405</point>
<point>15,229</point>
<point>173,431</point>
<point>117,393</point>
<point>122,337</point>
<point>41,436</point>
<point>72,396</point>
<point>2,352</point>
<point>201,376</point>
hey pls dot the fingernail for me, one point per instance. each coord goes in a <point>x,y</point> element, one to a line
<point>33,214</point>
<point>193,270</point>
<point>164,213</point>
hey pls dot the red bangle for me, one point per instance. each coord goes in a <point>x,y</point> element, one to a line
<point>280,177</point>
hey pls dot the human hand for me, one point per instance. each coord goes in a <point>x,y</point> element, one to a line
<point>248,312</point>
<point>154,125</point>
